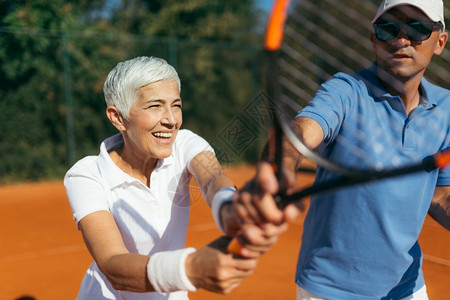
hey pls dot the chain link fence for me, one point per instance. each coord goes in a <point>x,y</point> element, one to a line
<point>53,111</point>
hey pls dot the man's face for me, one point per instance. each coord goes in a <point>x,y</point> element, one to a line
<point>400,56</point>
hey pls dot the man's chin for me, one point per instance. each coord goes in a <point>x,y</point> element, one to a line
<point>400,73</point>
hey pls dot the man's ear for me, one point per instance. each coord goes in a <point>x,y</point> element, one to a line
<point>442,41</point>
<point>115,117</point>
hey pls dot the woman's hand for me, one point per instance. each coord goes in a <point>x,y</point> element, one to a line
<point>215,270</point>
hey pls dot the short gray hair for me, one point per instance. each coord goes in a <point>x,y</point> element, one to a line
<point>122,85</point>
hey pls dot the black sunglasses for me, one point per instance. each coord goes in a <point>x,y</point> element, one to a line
<point>416,31</point>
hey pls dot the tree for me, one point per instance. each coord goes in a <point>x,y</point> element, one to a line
<point>216,60</point>
<point>53,50</point>
<point>32,139</point>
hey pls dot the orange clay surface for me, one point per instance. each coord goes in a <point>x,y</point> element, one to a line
<point>42,254</point>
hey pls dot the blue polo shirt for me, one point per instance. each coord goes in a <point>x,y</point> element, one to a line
<point>361,242</point>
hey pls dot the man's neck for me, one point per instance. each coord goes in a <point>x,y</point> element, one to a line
<point>405,88</point>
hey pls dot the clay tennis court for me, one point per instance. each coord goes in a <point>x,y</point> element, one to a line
<point>42,255</point>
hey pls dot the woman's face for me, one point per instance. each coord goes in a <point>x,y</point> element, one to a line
<point>154,119</point>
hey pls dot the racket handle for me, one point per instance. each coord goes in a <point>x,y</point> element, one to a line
<point>234,247</point>
<point>443,159</point>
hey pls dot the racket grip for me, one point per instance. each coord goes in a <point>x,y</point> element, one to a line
<point>443,159</point>
<point>234,247</point>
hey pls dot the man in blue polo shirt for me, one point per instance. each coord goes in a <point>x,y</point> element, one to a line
<point>361,242</point>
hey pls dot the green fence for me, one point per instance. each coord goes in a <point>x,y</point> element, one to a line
<point>53,106</point>
<point>51,85</point>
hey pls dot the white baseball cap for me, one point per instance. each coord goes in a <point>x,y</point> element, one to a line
<point>433,9</point>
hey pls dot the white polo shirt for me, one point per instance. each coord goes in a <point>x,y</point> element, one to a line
<point>150,219</point>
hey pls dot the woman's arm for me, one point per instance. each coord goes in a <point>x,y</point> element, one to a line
<point>209,175</point>
<point>209,267</point>
<point>211,178</point>
<point>124,270</point>
<point>102,237</point>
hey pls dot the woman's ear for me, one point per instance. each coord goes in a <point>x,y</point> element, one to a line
<point>115,117</point>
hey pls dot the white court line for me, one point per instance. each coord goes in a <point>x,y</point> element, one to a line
<point>48,252</point>
<point>427,257</point>
<point>199,227</point>
<point>21,256</point>
<point>204,227</point>
<point>437,260</point>
<point>81,247</point>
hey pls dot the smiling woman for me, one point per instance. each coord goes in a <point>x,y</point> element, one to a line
<point>131,202</point>
<point>150,130</point>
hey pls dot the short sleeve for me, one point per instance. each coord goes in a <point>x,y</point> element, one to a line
<point>189,144</point>
<point>330,104</point>
<point>84,190</point>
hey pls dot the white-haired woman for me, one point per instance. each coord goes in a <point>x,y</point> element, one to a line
<point>131,202</point>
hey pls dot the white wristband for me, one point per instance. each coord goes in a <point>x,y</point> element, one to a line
<point>166,271</point>
<point>223,195</point>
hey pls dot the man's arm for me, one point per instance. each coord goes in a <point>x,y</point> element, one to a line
<point>440,206</point>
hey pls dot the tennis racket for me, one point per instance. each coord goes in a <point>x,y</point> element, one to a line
<point>283,70</point>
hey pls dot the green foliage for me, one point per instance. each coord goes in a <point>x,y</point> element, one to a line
<point>56,54</point>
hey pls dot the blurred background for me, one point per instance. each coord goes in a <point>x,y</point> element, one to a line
<point>55,55</point>
<point>54,58</point>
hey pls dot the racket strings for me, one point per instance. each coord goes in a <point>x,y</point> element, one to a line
<point>381,142</point>
<point>300,77</point>
<point>322,33</point>
<point>301,60</point>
